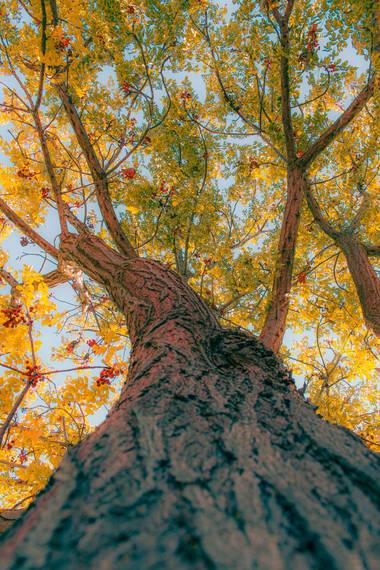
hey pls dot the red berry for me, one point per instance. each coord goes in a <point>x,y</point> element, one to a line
<point>129,173</point>
<point>301,277</point>
<point>64,42</point>
<point>23,456</point>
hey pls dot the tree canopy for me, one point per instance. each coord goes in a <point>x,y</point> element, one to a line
<point>237,143</point>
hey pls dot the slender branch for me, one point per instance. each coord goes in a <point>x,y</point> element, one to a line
<point>54,9</point>
<point>51,172</point>
<point>372,250</point>
<point>26,229</point>
<point>98,174</point>
<point>12,465</point>
<point>285,91</point>
<point>43,51</point>
<point>341,123</point>
<point>318,215</point>
<point>289,9</point>
<point>15,292</point>
<point>55,278</point>
<point>229,100</point>
<point>16,405</point>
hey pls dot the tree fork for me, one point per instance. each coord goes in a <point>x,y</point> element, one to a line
<point>210,459</point>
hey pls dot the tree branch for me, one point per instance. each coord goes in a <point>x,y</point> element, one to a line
<point>274,327</point>
<point>51,172</point>
<point>26,229</point>
<point>341,123</point>
<point>366,281</point>
<point>316,211</point>
<point>15,293</point>
<point>98,174</point>
<point>285,91</point>
<point>372,250</point>
<point>16,405</point>
<point>231,103</point>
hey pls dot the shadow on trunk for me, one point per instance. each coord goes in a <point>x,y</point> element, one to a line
<point>213,462</point>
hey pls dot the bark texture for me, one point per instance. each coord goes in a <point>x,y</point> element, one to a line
<point>366,281</point>
<point>210,459</point>
<point>274,326</point>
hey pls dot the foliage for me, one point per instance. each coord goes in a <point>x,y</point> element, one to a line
<point>183,104</point>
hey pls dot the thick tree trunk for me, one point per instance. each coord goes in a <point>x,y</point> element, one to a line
<point>274,326</point>
<point>366,281</point>
<point>211,459</point>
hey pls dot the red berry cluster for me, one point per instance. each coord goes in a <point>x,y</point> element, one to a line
<point>14,316</point>
<point>33,373</point>
<point>126,88</point>
<point>312,38</point>
<point>64,42</point>
<point>23,456</point>
<point>26,172</point>
<point>166,192</point>
<point>105,376</point>
<point>267,62</point>
<point>301,277</point>
<point>24,241</point>
<point>45,192</point>
<point>165,188</point>
<point>92,342</point>
<point>128,173</point>
<point>70,347</point>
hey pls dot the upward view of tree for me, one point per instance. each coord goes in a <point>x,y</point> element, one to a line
<point>189,208</point>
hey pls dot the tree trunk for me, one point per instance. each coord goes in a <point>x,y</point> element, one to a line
<point>210,459</point>
<point>274,326</point>
<point>366,281</point>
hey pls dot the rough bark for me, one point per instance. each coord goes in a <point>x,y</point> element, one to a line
<point>274,326</point>
<point>210,459</point>
<point>367,283</point>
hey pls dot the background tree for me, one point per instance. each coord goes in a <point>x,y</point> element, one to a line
<point>109,141</point>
